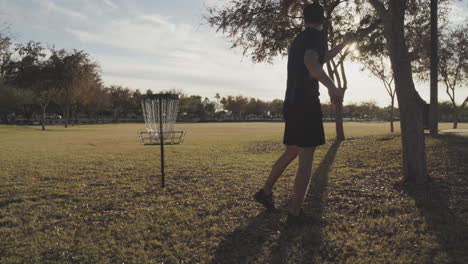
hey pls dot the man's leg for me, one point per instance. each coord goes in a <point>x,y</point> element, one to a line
<point>306,156</point>
<point>280,165</point>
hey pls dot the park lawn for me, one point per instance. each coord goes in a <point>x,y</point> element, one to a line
<point>91,194</point>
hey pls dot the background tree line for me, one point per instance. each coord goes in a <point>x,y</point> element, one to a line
<point>35,80</point>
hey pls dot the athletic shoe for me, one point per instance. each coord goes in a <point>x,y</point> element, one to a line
<point>296,221</point>
<point>265,199</point>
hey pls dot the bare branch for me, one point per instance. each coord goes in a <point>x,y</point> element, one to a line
<point>343,74</point>
<point>464,102</point>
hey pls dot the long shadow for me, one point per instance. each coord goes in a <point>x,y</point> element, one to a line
<point>443,203</point>
<point>246,242</point>
<point>301,246</point>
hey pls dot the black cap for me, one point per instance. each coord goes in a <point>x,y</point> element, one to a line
<point>314,13</point>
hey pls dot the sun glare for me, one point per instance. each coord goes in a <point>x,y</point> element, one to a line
<point>353,49</point>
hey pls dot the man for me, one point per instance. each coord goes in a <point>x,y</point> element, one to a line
<point>302,110</point>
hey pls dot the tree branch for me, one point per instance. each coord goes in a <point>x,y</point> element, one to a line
<point>343,75</point>
<point>464,102</point>
<point>331,74</point>
<point>447,90</point>
<point>337,74</point>
<point>388,87</point>
<point>379,7</point>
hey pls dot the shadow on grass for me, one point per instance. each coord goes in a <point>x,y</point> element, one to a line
<point>442,201</point>
<point>246,243</point>
<point>302,246</point>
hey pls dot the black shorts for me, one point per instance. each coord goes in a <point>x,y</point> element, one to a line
<point>304,125</point>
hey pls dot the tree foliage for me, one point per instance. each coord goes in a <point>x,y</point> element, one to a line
<point>379,66</point>
<point>12,99</point>
<point>74,73</point>
<point>453,65</point>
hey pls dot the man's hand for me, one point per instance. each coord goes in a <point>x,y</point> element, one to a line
<point>336,96</point>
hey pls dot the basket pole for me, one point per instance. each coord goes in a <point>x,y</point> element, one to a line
<point>162,142</point>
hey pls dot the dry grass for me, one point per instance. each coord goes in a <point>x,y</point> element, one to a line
<point>91,194</point>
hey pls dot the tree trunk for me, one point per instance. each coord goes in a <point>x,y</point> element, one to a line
<point>339,121</point>
<point>392,115</point>
<point>433,110</point>
<point>410,103</point>
<point>455,118</point>
<point>392,129</point>
<point>67,115</point>
<point>43,118</point>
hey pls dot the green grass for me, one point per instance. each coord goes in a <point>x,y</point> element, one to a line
<point>91,194</point>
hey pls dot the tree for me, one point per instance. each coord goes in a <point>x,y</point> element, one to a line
<point>192,107</point>
<point>433,120</point>
<point>95,100</point>
<point>409,101</point>
<point>5,54</point>
<point>209,107</point>
<point>351,110</point>
<point>73,73</point>
<point>378,67</point>
<point>264,29</point>
<point>236,105</point>
<point>11,99</point>
<point>217,103</point>
<point>276,107</point>
<point>24,69</point>
<point>40,79</point>
<point>120,100</point>
<point>328,110</point>
<point>445,110</point>
<point>197,108</point>
<point>368,109</point>
<point>454,64</point>
<point>136,102</point>
<point>256,107</point>
<point>43,98</point>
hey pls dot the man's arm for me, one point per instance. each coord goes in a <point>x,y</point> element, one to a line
<point>311,61</point>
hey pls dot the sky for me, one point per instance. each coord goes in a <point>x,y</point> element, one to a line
<point>161,45</point>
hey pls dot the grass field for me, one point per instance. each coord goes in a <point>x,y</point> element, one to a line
<point>91,194</point>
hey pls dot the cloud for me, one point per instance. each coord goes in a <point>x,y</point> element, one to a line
<point>110,3</point>
<point>50,5</point>
<point>149,51</point>
<point>150,34</point>
<point>155,53</point>
<point>213,3</point>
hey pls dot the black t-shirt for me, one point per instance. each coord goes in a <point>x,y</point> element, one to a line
<point>302,89</point>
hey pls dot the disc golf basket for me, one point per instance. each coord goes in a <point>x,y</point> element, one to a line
<point>160,114</point>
